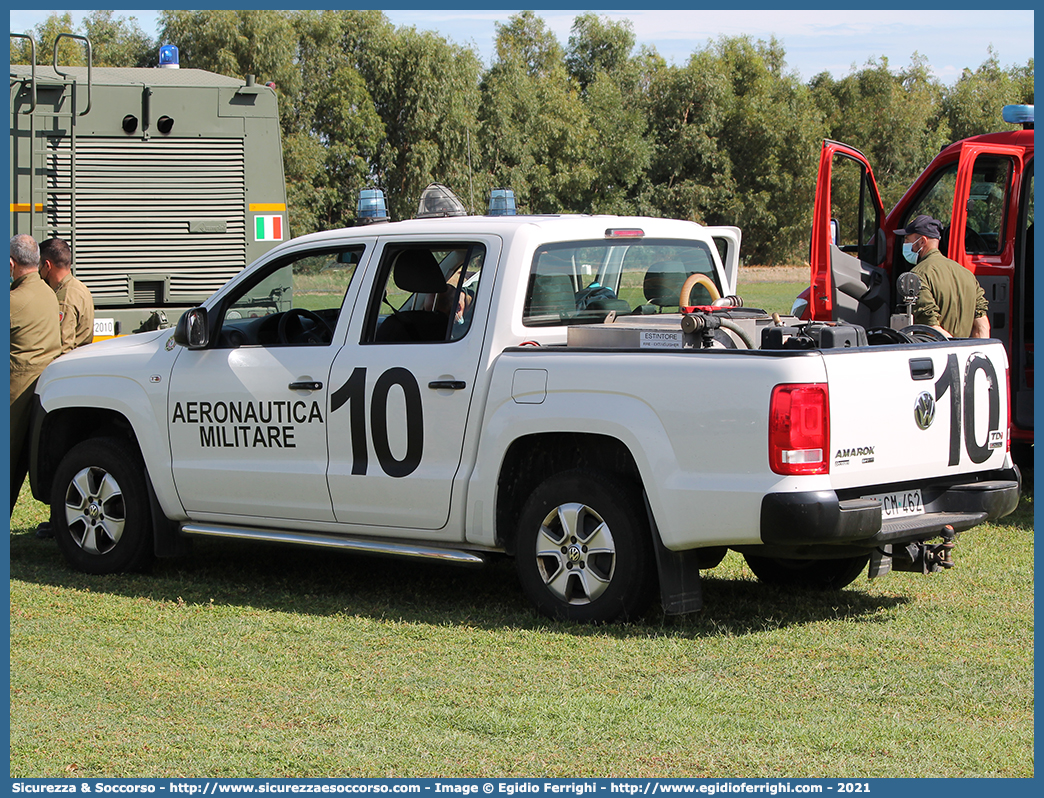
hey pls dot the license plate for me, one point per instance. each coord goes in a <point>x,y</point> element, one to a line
<point>900,504</point>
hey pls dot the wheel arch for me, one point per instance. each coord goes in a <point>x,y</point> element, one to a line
<point>58,431</point>
<point>529,460</point>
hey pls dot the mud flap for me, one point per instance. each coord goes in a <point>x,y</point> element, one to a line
<point>167,540</point>
<point>679,571</point>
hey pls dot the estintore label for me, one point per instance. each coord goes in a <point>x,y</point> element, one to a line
<point>648,339</point>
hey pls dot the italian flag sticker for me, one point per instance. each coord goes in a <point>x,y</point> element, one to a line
<point>268,228</point>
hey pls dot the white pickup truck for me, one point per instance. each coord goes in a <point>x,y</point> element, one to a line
<point>537,386</point>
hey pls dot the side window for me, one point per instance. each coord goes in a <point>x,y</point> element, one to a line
<point>296,301</point>
<point>426,293</point>
<point>988,204</point>
<point>852,208</point>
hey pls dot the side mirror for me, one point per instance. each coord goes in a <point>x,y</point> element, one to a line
<point>193,329</point>
<point>835,232</point>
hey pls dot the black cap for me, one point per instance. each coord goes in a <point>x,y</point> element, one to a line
<point>922,226</point>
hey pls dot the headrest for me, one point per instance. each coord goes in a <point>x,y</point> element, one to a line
<point>664,281</point>
<point>417,272</point>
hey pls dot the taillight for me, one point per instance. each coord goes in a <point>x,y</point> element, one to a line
<point>799,429</point>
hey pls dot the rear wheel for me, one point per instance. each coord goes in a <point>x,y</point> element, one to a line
<point>100,507</point>
<point>584,551</point>
<point>815,574</point>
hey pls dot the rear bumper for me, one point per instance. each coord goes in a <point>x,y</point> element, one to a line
<point>818,518</point>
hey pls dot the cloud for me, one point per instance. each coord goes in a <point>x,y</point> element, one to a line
<point>814,41</point>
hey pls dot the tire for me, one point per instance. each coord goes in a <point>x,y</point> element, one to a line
<point>814,574</point>
<point>100,508</point>
<point>584,549</point>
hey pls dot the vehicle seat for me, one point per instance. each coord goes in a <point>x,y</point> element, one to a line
<point>663,283</point>
<point>416,271</point>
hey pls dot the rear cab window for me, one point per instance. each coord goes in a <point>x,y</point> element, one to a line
<point>583,282</point>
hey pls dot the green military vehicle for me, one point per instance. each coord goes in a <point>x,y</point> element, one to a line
<point>166,182</point>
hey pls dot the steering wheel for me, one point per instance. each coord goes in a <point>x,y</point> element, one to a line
<point>318,333</point>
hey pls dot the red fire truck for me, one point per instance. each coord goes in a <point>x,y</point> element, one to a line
<point>981,189</point>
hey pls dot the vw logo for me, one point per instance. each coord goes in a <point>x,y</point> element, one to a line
<point>924,410</point>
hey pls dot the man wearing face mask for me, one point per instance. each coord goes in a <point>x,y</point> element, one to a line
<point>951,299</point>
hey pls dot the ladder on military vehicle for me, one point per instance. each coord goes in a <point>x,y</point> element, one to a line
<point>51,139</point>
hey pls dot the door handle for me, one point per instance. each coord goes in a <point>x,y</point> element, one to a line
<point>453,385</point>
<point>306,385</point>
<point>921,368</point>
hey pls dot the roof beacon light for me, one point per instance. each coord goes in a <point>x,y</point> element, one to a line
<point>168,57</point>
<point>501,202</point>
<point>624,232</point>
<point>437,201</point>
<point>372,207</point>
<point>1018,115</point>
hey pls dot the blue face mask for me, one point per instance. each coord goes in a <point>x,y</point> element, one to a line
<point>908,253</point>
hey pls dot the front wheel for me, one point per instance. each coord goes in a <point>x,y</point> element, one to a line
<point>100,508</point>
<point>815,574</point>
<point>584,551</point>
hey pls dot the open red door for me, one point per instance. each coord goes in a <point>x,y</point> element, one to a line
<point>848,244</point>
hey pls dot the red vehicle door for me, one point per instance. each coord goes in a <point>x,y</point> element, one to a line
<point>848,242</point>
<point>982,201</point>
<point>988,236</point>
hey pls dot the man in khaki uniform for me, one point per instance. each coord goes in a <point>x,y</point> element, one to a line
<point>951,299</point>
<point>35,341</point>
<point>75,304</point>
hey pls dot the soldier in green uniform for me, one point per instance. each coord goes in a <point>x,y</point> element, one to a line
<point>75,304</point>
<point>35,341</point>
<point>951,299</point>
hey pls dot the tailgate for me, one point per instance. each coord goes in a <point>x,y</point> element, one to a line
<point>914,412</point>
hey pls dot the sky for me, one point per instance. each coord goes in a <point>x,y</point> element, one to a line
<point>815,41</point>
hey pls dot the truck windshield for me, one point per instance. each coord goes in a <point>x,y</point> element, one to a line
<point>582,282</point>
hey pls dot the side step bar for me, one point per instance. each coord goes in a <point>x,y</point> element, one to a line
<point>355,545</point>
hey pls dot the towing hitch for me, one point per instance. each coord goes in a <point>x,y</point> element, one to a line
<point>916,557</point>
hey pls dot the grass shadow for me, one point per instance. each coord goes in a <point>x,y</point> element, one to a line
<point>309,582</point>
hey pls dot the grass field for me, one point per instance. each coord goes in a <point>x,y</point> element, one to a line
<point>250,661</point>
<point>247,661</point>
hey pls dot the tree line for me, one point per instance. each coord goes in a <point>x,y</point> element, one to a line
<point>600,125</point>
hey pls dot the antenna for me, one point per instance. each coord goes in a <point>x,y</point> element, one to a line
<point>471,185</point>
